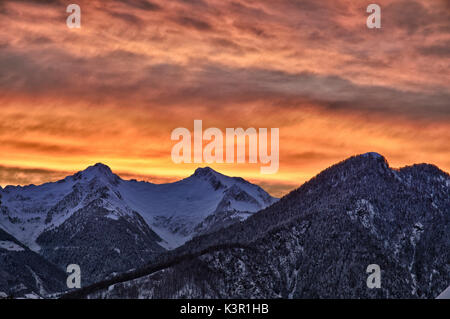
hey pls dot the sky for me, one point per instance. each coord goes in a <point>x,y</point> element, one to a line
<point>115,89</point>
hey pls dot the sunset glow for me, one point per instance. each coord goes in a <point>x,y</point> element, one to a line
<point>114,90</point>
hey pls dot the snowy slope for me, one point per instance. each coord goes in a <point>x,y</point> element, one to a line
<point>445,294</point>
<point>172,210</point>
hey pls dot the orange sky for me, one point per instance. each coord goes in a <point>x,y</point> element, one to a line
<point>114,90</point>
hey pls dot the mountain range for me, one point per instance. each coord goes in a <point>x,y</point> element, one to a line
<point>105,224</point>
<point>213,236</point>
<point>316,242</point>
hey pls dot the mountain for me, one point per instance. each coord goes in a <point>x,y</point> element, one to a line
<point>317,242</point>
<point>23,273</point>
<point>107,225</point>
<point>177,211</point>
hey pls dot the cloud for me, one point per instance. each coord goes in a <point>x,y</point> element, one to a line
<point>144,5</point>
<point>416,16</point>
<point>195,23</point>
<point>10,175</point>
<point>137,69</point>
<point>437,50</point>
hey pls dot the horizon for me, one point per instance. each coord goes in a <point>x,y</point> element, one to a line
<point>125,176</point>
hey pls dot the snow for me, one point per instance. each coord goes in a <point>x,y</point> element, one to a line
<point>32,295</point>
<point>39,283</point>
<point>445,294</point>
<point>190,200</point>
<point>170,240</point>
<point>245,206</point>
<point>9,245</point>
<point>185,203</point>
<point>29,205</point>
<point>365,213</point>
<point>112,216</point>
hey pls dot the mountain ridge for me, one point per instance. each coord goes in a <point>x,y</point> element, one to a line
<point>355,213</point>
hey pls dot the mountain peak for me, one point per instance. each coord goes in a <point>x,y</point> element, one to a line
<point>367,158</point>
<point>204,171</point>
<point>372,155</point>
<point>98,170</point>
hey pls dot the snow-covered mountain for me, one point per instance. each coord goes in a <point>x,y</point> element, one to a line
<point>106,224</point>
<point>317,242</point>
<point>175,211</point>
